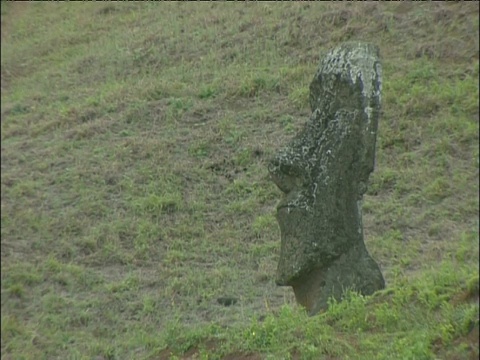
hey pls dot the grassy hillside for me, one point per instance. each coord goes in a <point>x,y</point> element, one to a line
<point>134,188</point>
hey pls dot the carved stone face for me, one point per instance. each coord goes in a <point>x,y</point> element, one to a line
<point>323,171</point>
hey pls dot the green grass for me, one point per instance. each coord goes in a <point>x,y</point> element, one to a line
<point>134,188</point>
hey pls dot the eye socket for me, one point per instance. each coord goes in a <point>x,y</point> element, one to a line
<point>287,169</point>
<point>295,170</point>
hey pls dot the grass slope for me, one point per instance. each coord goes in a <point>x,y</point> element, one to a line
<point>134,189</point>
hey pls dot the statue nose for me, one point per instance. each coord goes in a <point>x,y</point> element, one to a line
<point>285,175</point>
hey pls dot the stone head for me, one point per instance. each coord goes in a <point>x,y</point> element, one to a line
<point>324,170</point>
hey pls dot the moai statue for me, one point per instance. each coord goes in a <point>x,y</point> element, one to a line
<point>323,173</point>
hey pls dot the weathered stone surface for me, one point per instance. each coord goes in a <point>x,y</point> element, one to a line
<point>323,173</point>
